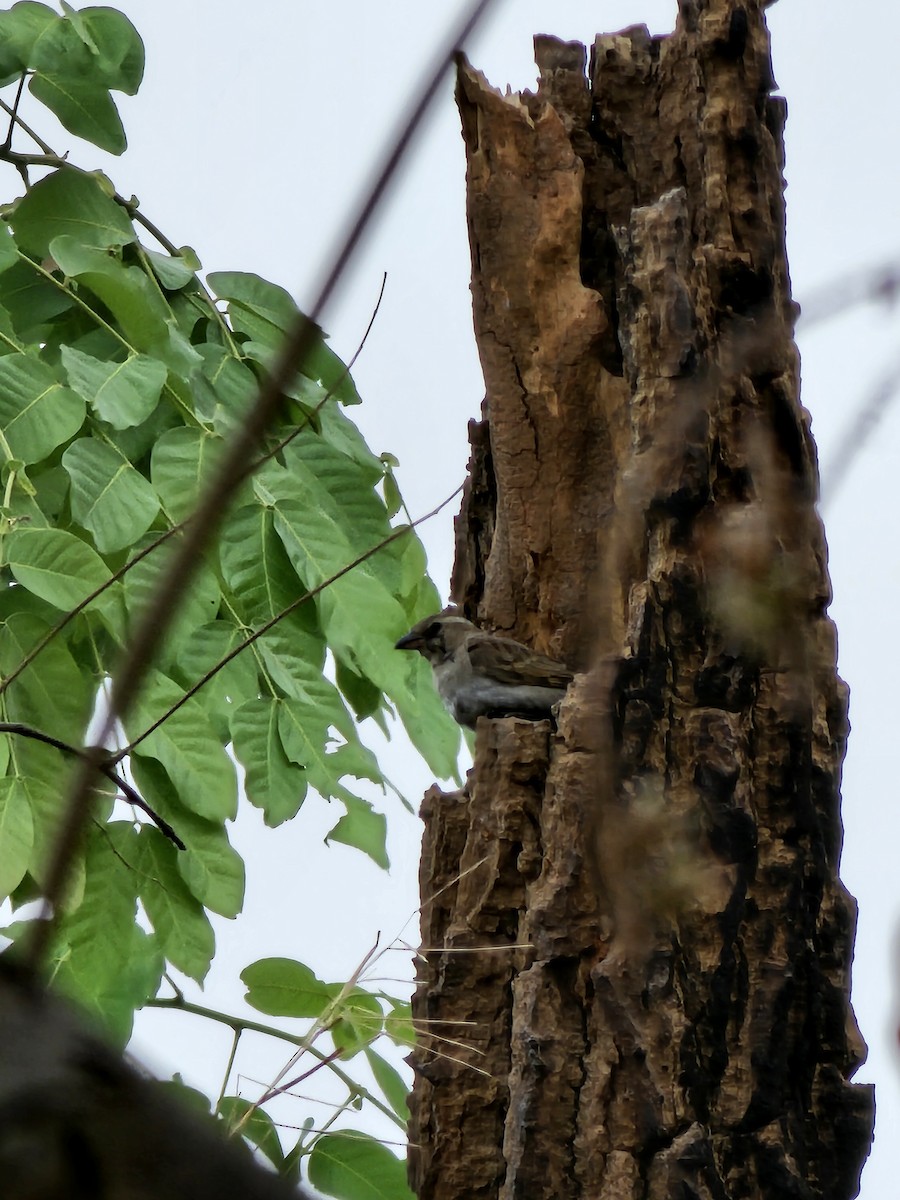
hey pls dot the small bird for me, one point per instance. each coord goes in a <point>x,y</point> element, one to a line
<point>481,675</point>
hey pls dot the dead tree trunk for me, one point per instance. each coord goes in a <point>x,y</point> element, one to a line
<point>635,933</point>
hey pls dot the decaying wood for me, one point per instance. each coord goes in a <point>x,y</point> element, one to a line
<point>637,949</point>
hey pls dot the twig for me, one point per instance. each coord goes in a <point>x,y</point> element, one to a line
<point>13,116</point>
<point>107,768</point>
<point>239,1023</point>
<point>35,137</point>
<point>874,285</point>
<point>861,428</point>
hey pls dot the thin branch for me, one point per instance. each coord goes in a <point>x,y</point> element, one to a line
<point>873,285</point>
<point>235,1039</point>
<point>860,430</point>
<point>13,115</point>
<point>107,768</point>
<point>35,137</point>
<point>273,621</point>
<point>212,504</point>
<point>239,1023</point>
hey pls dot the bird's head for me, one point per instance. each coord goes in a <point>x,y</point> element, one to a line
<point>438,636</point>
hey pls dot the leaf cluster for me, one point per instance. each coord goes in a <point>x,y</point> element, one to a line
<point>122,372</point>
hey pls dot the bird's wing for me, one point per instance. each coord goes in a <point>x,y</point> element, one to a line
<point>511,662</point>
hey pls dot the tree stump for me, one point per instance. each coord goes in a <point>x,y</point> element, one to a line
<point>636,948</point>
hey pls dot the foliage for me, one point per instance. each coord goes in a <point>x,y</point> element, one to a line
<point>121,375</point>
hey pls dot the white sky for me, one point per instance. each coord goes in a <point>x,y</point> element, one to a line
<point>249,140</point>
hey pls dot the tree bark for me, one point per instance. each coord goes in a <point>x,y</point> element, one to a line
<point>636,948</point>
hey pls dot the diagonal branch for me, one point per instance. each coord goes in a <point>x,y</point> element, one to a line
<point>107,768</point>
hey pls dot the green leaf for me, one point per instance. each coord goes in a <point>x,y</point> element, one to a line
<point>256,566</point>
<point>113,985</point>
<point>272,782</point>
<point>16,834</point>
<point>399,1024</point>
<point>340,432</point>
<point>283,987</point>
<point>233,386</point>
<point>323,366</point>
<point>180,466</point>
<point>9,251</point>
<point>130,295</point>
<point>197,1101</point>
<point>118,52</point>
<point>365,698</point>
<point>55,565</point>
<point>212,869</point>
<point>105,961</point>
<point>122,393</point>
<point>360,1021</point>
<point>265,313</point>
<point>37,413</point>
<point>304,740</point>
<point>70,202</point>
<point>295,663</point>
<point>186,745</point>
<point>254,1124</point>
<point>262,310</point>
<point>198,607</point>
<point>178,919</point>
<point>392,498</point>
<point>76,59</point>
<point>31,301</point>
<point>364,829</point>
<point>230,687</point>
<point>109,497</point>
<point>51,693</point>
<point>38,770</point>
<point>20,27</point>
<point>83,108</point>
<point>430,727</point>
<point>391,1082</point>
<point>173,272</point>
<point>354,1166</point>
<point>51,490</point>
<point>318,546</point>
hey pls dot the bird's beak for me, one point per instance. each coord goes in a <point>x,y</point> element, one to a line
<point>410,641</point>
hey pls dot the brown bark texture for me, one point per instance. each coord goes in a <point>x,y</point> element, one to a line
<point>636,948</point>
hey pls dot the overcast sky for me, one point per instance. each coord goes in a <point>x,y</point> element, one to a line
<point>250,137</point>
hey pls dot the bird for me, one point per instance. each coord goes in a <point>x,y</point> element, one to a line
<point>479,674</point>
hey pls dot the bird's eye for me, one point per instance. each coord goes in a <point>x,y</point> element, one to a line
<point>433,630</point>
